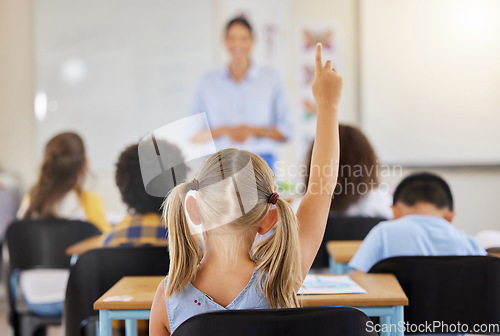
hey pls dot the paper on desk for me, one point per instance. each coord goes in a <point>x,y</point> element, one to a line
<point>330,284</point>
<point>119,298</point>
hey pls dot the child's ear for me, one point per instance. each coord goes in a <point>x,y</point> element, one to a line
<point>449,215</point>
<point>192,210</point>
<point>268,222</point>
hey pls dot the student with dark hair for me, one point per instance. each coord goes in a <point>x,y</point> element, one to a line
<point>357,191</point>
<point>423,212</point>
<point>245,103</point>
<point>143,225</point>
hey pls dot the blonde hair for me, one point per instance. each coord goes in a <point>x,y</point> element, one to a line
<point>277,257</point>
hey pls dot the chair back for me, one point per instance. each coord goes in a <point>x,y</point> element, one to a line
<point>319,321</point>
<point>450,289</point>
<point>40,243</point>
<point>343,228</point>
<point>98,270</point>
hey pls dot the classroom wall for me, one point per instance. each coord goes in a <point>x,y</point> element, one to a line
<point>17,123</point>
<point>475,190</point>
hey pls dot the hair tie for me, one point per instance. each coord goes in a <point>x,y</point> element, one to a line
<point>195,185</point>
<point>273,198</point>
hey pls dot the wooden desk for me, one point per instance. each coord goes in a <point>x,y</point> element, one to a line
<point>382,290</point>
<point>384,298</point>
<point>494,254</point>
<point>85,245</point>
<point>341,252</point>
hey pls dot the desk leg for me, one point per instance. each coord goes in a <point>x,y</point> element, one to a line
<point>399,320</point>
<point>331,263</point>
<point>74,258</point>
<point>104,323</point>
<point>337,268</point>
<point>385,321</point>
<point>131,327</point>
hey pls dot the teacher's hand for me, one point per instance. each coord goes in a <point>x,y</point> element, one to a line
<point>240,133</point>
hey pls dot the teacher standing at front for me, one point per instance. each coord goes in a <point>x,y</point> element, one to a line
<point>245,103</point>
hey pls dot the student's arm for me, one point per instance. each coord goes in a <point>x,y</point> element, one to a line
<point>158,319</point>
<point>313,211</point>
<point>370,252</point>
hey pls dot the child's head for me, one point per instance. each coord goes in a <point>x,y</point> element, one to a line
<point>63,167</point>
<point>130,183</point>
<point>230,200</point>
<point>423,194</point>
<point>358,168</point>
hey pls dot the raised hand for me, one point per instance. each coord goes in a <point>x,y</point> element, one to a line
<point>315,206</point>
<point>327,84</point>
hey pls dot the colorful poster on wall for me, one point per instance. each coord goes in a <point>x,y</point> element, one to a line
<point>307,35</point>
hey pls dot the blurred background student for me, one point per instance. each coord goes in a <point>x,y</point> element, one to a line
<point>143,225</point>
<point>357,192</point>
<point>58,193</point>
<point>59,190</point>
<point>245,104</point>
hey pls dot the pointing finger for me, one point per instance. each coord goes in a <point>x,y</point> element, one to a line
<point>319,63</point>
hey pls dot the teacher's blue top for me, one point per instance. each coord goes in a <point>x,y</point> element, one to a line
<point>258,100</point>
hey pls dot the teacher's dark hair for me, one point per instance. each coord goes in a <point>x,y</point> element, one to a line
<point>239,20</point>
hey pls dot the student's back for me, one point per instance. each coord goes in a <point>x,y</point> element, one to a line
<point>413,235</point>
<point>423,208</point>
<point>191,301</point>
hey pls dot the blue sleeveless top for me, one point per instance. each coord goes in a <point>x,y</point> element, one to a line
<point>191,301</point>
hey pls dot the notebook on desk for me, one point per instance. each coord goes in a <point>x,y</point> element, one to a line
<point>330,284</point>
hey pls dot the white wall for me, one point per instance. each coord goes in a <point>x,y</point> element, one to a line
<point>17,124</point>
<point>475,190</point>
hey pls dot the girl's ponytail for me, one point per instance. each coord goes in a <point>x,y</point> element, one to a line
<point>278,257</point>
<point>184,251</point>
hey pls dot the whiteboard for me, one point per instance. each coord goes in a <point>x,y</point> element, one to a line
<point>115,70</point>
<point>430,78</point>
